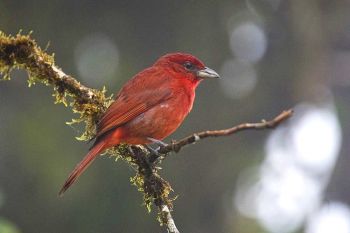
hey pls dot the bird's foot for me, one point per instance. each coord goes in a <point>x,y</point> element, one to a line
<point>159,143</point>
<point>155,156</point>
<point>153,151</point>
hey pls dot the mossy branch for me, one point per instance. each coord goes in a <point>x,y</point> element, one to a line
<point>22,52</point>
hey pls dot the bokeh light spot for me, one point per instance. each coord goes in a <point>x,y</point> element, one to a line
<point>299,161</point>
<point>316,138</point>
<point>97,59</point>
<point>238,78</point>
<point>248,42</point>
<point>331,218</point>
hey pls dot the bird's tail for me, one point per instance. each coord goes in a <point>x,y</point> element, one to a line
<point>80,168</point>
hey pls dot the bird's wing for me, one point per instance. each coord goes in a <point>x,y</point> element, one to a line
<point>141,93</point>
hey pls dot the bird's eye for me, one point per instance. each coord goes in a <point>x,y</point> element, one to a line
<point>189,66</point>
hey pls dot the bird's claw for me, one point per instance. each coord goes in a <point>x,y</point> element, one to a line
<point>155,157</point>
<point>153,151</point>
<point>159,143</point>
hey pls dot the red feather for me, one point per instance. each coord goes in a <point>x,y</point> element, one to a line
<point>152,104</point>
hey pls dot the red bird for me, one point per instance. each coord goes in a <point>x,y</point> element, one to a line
<point>149,107</point>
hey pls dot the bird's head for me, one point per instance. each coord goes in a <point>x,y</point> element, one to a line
<point>186,66</point>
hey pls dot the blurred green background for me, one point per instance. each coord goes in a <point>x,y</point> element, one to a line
<point>271,54</point>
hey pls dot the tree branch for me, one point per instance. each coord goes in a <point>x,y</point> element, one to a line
<point>22,52</point>
<point>168,219</point>
<point>177,145</point>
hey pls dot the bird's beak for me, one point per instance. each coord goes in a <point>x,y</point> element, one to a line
<point>207,73</point>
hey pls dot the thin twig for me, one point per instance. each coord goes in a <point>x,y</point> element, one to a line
<point>177,145</point>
